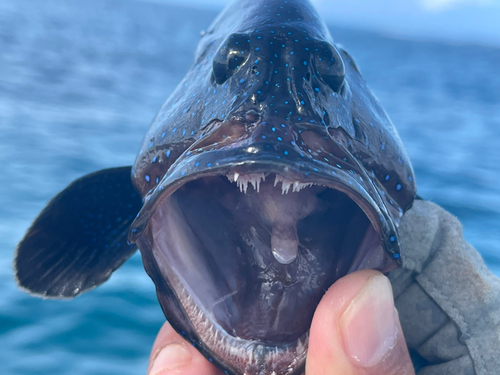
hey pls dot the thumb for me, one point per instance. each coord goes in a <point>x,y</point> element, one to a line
<point>356,330</point>
<point>172,355</point>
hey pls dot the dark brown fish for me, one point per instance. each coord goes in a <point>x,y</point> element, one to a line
<point>270,172</point>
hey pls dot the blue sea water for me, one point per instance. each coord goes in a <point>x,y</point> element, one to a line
<point>80,82</point>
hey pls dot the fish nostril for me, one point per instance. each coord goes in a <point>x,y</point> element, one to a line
<point>255,69</point>
<point>252,115</point>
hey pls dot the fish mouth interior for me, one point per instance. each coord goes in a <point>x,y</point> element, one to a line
<point>253,254</point>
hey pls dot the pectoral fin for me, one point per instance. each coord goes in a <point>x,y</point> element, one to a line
<point>80,237</point>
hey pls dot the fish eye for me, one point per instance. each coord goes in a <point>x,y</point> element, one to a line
<point>330,66</point>
<point>230,57</point>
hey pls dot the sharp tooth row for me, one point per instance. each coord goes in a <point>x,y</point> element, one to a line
<point>230,348</point>
<point>287,184</point>
<point>255,179</point>
<point>243,180</point>
<point>298,186</point>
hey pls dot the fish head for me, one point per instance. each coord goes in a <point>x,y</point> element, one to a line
<point>271,172</point>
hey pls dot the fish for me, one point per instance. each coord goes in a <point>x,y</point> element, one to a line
<point>269,173</point>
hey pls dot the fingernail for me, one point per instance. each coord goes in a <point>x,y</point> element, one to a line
<point>368,325</point>
<point>170,357</point>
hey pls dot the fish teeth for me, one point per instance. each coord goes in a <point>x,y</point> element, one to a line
<point>243,185</point>
<point>287,184</point>
<point>285,187</point>
<point>233,177</point>
<point>243,180</point>
<point>298,186</point>
<point>255,179</point>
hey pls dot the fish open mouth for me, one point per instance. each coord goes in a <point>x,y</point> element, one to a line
<point>249,256</point>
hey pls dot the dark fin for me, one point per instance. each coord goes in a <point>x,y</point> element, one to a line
<point>80,237</point>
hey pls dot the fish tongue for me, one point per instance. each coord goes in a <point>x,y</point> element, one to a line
<point>283,211</point>
<point>284,240</point>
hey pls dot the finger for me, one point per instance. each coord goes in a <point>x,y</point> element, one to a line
<point>356,330</point>
<point>172,355</point>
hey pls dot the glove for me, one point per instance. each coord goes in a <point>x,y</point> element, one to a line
<point>448,300</point>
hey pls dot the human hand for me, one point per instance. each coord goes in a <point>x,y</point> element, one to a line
<point>355,331</point>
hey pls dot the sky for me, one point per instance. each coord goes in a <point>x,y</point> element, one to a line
<point>451,21</point>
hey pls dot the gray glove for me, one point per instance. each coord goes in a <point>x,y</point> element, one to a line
<point>448,300</point>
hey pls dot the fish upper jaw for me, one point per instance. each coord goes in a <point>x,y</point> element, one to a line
<point>300,153</point>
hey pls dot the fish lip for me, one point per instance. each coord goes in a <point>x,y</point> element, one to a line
<point>244,160</point>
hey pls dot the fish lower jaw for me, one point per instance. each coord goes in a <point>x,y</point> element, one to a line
<point>247,357</point>
<point>255,179</point>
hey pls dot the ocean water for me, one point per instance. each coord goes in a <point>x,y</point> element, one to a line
<point>79,85</point>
